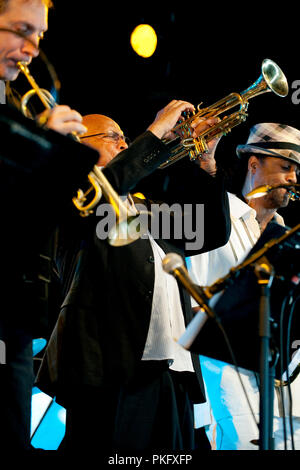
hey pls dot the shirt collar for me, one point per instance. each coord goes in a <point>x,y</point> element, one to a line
<point>239,208</point>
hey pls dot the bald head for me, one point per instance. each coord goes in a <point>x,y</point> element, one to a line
<point>97,123</point>
<point>105,135</point>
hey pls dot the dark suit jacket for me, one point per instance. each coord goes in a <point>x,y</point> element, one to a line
<point>40,171</point>
<point>102,328</point>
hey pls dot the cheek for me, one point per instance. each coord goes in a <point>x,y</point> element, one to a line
<point>11,42</point>
<point>105,158</point>
<point>112,151</point>
<point>268,177</point>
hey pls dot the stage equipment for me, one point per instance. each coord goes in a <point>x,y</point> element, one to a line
<point>143,40</point>
<point>271,79</point>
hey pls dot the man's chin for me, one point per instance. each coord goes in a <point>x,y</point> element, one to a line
<point>9,73</point>
<point>283,201</point>
<point>277,200</point>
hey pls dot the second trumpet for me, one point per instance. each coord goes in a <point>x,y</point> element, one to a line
<point>271,79</point>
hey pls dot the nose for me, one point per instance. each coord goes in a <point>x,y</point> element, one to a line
<point>122,144</point>
<point>292,177</point>
<point>31,46</point>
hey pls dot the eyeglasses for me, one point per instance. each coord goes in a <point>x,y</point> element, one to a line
<point>109,136</point>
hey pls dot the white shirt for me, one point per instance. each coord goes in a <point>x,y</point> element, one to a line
<point>206,268</point>
<point>167,321</point>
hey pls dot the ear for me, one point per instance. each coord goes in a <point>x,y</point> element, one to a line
<point>253,163</point>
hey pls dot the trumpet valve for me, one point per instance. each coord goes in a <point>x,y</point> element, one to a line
<point>199,148</point>
<point>192,155</point>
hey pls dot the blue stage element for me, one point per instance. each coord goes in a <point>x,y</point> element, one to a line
<point>37,345</point>
<point>48,420</point>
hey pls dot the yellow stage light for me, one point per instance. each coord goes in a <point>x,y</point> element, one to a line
<point>143,40</point>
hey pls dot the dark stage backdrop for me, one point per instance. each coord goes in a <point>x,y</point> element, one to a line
<point>204,52</point>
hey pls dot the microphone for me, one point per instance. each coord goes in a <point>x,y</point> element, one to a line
<point>173,264</point>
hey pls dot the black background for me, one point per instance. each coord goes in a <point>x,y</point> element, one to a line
<point>204,52</point>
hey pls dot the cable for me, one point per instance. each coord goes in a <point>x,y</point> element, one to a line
<point>284,357</point>
<point>281,371</point>
<point>292,309</point>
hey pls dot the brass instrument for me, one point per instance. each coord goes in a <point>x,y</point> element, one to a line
<point>271,79</point>
<point>261,191</point>
<point>44,95</point>
<point>122,233</point>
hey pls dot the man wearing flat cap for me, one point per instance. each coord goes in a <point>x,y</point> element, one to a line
<point>271,156</point>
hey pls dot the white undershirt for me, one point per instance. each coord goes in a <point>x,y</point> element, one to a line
<point>167,321</point>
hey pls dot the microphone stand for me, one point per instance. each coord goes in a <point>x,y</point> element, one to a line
<point>265,274</point>
<point>223,282</point>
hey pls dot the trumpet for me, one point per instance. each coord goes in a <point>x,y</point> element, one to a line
<point>127,219</point>
<point>122,233</point>
<point>271,79</point>
<point>44,95</point>
<point>260,191</point>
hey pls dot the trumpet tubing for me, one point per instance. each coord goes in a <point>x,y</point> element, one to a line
<point>271,79</point>
<point>44,95</point>
<point>122,232</point>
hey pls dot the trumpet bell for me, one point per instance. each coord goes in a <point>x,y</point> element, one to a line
<point>275,78</point>
<point>128,230</point>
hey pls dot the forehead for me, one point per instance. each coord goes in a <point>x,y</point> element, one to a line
<point>100,123</point>
<point>33,12</point>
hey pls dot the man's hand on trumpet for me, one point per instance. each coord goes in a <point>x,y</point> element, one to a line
<point>167,118</point>
<point>207,161</point>
<point>62,119</point>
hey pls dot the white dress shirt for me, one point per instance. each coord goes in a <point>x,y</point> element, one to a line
<point>206,268</point>
<point>167,321</point>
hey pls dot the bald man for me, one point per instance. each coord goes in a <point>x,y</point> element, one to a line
<point>124,381</point>
<point>105,135</point>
